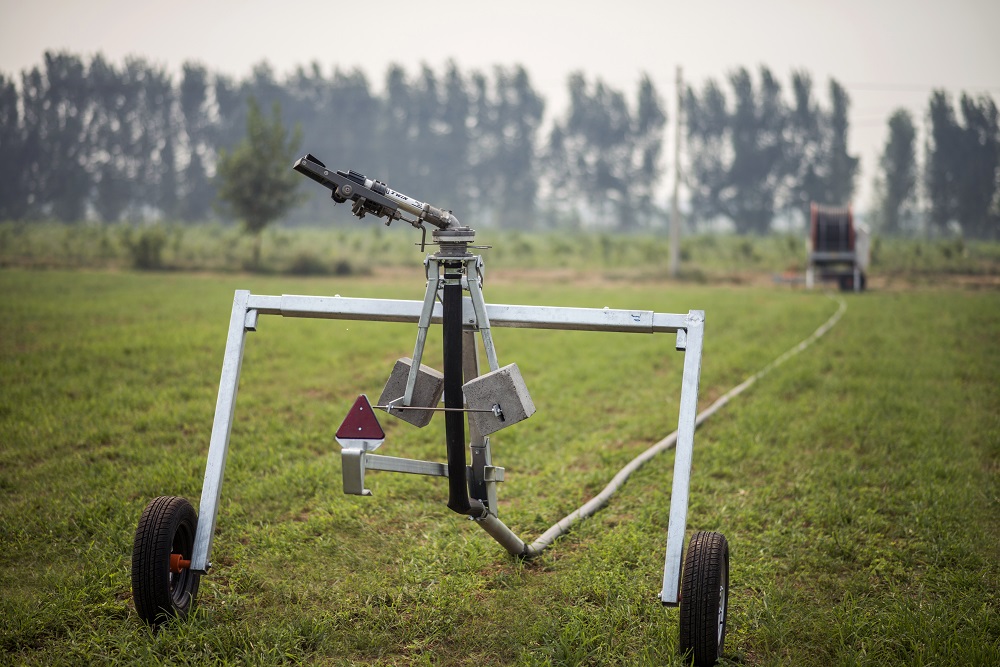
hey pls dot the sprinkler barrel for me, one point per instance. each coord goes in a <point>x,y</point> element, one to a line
<point>372,196</point>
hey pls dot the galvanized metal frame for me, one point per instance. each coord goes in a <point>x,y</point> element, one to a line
<point>477,316</point>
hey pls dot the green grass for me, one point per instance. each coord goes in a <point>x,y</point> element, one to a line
<point>857,484</point>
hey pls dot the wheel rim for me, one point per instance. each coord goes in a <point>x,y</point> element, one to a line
<point>722,613</point>
<point>183,543</point>
<point>723,592</point>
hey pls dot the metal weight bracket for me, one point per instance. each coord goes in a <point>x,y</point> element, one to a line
<point>357,461</point>
<point>247,307</point>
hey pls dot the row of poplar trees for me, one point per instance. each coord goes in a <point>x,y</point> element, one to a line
<point>756,158</point>
<point>99,140</point>
<point>95,140</point>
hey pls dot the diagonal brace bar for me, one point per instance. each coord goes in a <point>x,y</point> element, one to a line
<point>688,414</point>
<point>240,321</point>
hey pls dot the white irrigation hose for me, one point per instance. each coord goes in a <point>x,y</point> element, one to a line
<point>601,499</point>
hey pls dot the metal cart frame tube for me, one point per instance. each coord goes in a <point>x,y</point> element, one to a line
<point>247,307</point>
<point>241,321</point>
<point>683,457</point>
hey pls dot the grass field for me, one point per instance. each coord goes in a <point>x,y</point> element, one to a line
<point>857,484</point>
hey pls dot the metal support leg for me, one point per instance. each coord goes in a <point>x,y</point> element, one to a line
<point>240,322</point>
<point>682,458</point>
<point>479,308</point>
<point>433,279</point>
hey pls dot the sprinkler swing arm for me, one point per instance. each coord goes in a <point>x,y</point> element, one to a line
<point>454,300</point>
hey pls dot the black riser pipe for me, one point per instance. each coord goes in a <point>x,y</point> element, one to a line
<point>454,420</point>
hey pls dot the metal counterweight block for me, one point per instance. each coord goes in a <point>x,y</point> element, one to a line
<point>426,392</point>
<point>500,397</point>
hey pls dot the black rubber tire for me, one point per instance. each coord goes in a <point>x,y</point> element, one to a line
<point>167,526</point>
<point>705,597</point>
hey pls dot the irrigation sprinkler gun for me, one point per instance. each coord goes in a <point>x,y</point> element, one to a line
<point>173,545</point>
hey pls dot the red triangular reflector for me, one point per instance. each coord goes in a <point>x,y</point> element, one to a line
<point>360,423</point>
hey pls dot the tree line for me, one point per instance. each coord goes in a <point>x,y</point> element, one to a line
<point>99,140</point>
<point>95,139</point>
<point>755,157</point>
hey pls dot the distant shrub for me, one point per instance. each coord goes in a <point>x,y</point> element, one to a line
<point>307,264</point>
<point>953,248</point>
<point>745,250</point>
<point>145,249</point>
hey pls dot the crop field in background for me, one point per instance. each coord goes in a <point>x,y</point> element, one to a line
<point>857,484</point>
<point>353,248</point>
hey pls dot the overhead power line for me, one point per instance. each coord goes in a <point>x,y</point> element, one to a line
<point>916,87</point>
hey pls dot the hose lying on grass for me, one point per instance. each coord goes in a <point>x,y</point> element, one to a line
<point>601,499</point>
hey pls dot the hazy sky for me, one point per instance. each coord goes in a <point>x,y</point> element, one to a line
<point>887,53</point>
